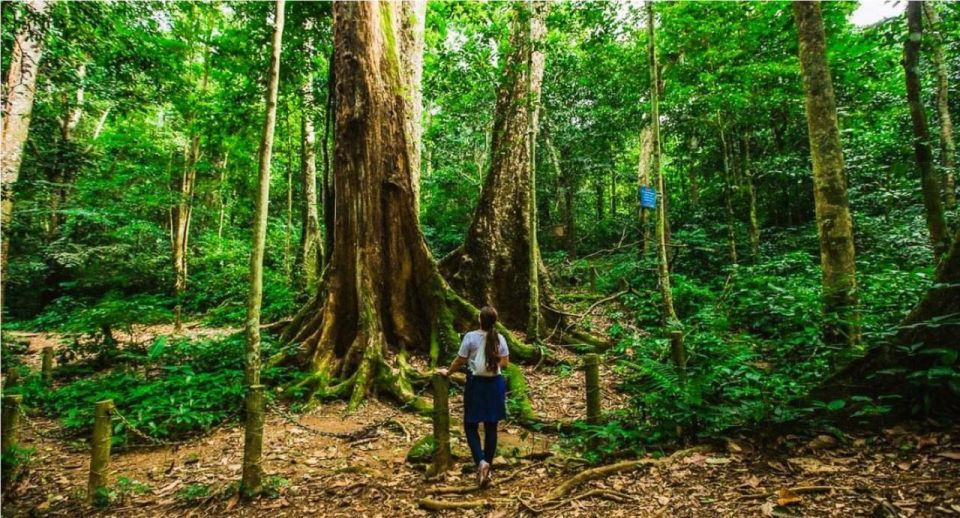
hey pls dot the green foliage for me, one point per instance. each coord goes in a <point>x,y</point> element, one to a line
<point>187,388</point>
<point>193,492</point>
<point>14,462</point>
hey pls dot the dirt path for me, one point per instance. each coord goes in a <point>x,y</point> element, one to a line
<point>901,470</point>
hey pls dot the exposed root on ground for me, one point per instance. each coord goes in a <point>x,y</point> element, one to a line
<point>584,476</point>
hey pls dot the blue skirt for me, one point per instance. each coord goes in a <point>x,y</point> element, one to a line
<point>485,399</point>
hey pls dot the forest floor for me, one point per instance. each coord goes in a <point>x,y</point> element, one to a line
<point>898,471</point>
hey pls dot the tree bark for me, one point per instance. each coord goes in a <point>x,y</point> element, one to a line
<point>382,296</point>
<point>494,264</point>
<point>311,242</point>
<point>930,187</point>
<point>413,16</point>
<point>253,430</point>
<point>326,193</point>
<point>834,225</point>
<point>948,147</point>
<point>728,195</point>
<point>748,174</point>
<point>17,108</point>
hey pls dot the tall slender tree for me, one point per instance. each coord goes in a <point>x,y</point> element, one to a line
<point>929,186</point>
<point>251,484</point>
<point>948,147</point>
<point>185,183</point>
<point>17,108</point>
<point>311,240</point>
<point>834,225</point>
<point>668,312</point>
<point>728,188</point>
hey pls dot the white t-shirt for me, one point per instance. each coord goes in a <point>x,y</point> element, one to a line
<point>472,349</point>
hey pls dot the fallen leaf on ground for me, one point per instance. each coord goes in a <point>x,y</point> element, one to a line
<point>822,442</point>
<point>813,466</point>
<point>952,455</point>
<point>787,497</point>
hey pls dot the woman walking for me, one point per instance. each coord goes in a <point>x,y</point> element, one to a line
<point>485,353</point>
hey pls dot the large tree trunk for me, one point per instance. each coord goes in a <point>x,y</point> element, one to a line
<point>251,483</point>
<point>834,225</point>
<point>494,264</point>
<point>17,107</point>
<point>382,295</point>
<point>948,148</point>
<point>311,241</point>
<point>930,187</point>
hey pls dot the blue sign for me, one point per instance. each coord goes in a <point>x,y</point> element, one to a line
<point>648,198</point>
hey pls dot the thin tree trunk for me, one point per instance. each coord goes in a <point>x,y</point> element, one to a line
<point>222,198</point>
<point>184,209</point>
<point>752,195</point>
<point>288,257</point>
<point>936,223</point>
<point>251,484</point>
<point>948,147</point>
<point>728,195</point>
<point>834,225</point>
<point>669,314</point>
<point>17,108</point>
<point>312,241</point>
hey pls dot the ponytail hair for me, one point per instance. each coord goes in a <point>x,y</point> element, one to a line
<point>491,347</point>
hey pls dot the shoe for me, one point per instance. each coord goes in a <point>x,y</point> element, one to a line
<point>484,471</point>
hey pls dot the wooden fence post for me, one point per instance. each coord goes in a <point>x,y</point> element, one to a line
<point>100,448</point>
<point>46,366</point>
<point>11,422</point>
<point>442,458</point>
